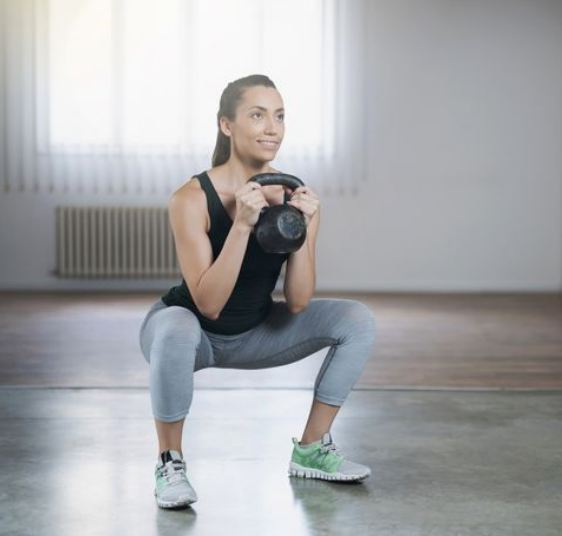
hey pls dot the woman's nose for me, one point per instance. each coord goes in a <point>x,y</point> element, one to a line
<point>270,125</point>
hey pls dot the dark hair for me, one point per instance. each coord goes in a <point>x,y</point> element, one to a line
<point>230,98</point>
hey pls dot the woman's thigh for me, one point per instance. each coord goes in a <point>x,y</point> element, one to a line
<point>173,332</point>
<point>284,337</point>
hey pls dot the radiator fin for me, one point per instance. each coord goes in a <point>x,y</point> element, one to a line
<point>98,242</point>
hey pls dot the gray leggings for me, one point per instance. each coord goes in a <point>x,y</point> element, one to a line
<point>175,346</point>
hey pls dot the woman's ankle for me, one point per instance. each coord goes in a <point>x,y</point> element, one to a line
<point>177,449</point>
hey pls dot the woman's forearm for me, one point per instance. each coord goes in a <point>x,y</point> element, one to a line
<point>217,283</point>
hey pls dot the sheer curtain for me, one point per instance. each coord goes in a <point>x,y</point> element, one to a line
<point>121,96</point>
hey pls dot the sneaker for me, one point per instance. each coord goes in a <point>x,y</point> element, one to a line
<point>323,460</point>
<point>172,486</point>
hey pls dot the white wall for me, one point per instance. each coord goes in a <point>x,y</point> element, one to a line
<point>464,189</point>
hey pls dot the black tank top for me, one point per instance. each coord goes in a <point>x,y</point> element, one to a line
<point>251,300</point>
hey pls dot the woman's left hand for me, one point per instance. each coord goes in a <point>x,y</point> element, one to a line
<point>306,201</point>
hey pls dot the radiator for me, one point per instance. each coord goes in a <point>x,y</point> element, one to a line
<point>114,241</point>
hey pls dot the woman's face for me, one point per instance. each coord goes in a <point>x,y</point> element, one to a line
<point>259,127</point>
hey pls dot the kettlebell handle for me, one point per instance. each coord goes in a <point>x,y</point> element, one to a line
<point>266,179</point>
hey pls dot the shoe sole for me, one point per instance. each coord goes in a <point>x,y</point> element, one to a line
<point>306,472</point>
<point>173,504</point>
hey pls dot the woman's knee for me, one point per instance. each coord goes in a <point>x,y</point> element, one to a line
<point>176,342</point>
<point>364,313</point>
<point>172,330</point>
<point>359,317</point>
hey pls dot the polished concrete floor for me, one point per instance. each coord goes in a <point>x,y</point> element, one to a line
<point>472,445</point>
<point>80,462</point>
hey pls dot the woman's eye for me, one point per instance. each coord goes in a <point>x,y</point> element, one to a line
<point>281,117</point>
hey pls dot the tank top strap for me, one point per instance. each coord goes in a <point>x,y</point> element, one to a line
<point>214,204</point>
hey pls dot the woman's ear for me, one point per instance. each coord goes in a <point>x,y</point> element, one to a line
<point>225,126</point>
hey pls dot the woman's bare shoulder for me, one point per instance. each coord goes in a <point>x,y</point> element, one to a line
<point>191,185</point>
<point>190,193</point>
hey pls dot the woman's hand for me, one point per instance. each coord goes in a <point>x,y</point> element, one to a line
<point>249,202</point>
<point>306,201</point>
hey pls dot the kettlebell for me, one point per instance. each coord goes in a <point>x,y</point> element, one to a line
<point>280,228</point>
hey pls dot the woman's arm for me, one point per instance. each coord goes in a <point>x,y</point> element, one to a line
<point>218,282</point>
<point>300,276</point>
<point>210,283</point>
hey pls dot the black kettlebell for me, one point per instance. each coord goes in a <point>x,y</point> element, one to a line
<point>280,228</point>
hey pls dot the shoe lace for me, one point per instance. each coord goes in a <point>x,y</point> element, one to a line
<point>331,447</point>
<point>173,471</point>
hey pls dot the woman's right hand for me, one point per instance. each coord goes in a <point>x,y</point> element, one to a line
<point>249,202</point>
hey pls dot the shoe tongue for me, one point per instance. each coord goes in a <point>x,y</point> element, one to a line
<point>169,455</point>
<point>327,438</point>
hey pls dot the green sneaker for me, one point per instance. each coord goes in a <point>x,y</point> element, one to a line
<point>323,460</point>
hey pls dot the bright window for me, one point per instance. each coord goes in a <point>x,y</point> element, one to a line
<point>146,74</point>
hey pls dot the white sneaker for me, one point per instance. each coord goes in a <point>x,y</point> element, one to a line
<point>172,486</point>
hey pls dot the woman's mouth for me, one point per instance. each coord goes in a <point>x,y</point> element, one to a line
<point>268,144</point>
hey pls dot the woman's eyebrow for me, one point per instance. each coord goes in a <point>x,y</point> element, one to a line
<point>265,109</point>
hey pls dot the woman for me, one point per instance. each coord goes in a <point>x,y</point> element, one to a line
<point>222,314</point>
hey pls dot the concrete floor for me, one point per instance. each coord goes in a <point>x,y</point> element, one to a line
<point>451,463</point>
